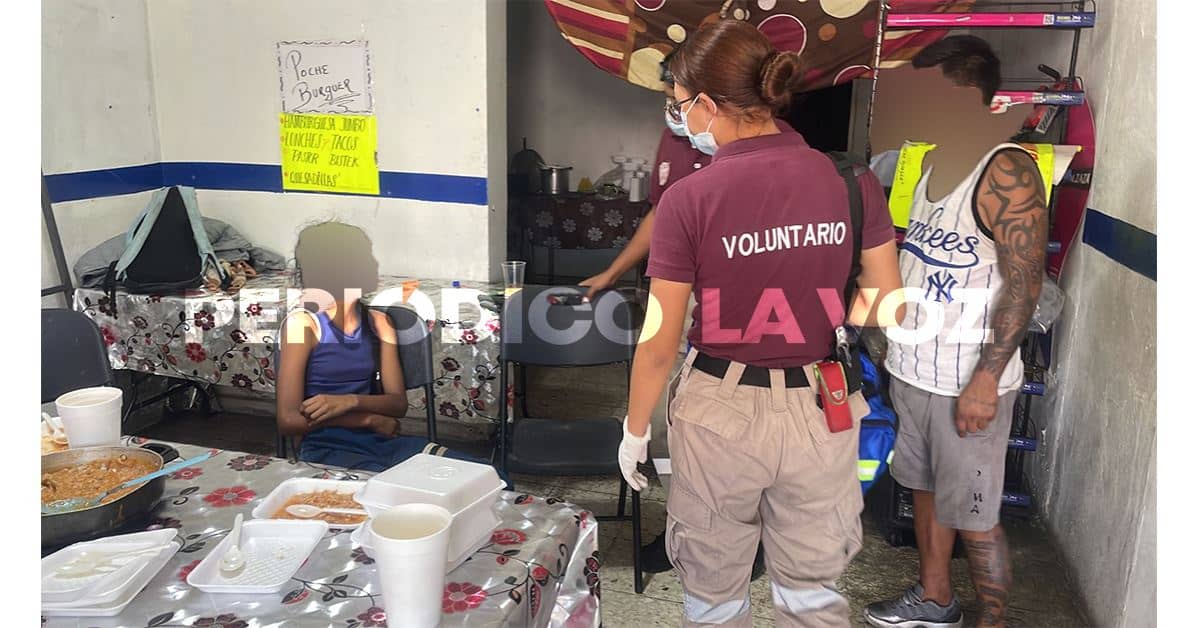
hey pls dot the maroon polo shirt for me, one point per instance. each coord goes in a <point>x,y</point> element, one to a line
<point>763,235</point>
<point>677,159</point>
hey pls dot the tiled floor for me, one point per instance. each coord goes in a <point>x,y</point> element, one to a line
<point>1040,596</point>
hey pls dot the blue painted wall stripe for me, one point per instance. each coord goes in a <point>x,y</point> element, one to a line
<point>1129,246</point>
<point>74,186</point>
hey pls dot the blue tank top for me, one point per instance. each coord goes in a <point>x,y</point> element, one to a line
<point>341,363</point>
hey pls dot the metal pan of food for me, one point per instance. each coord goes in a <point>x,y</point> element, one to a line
<point>90,471</point>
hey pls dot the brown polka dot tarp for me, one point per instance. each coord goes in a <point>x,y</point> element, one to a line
<point>836,38</point>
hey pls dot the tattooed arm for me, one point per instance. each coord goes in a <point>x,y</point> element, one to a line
<point>1011,203</point>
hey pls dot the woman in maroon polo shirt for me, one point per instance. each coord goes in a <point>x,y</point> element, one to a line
<point>762,237</point>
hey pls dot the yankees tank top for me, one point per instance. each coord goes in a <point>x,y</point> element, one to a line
<point>949,268</point>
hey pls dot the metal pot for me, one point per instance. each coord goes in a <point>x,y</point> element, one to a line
<point>556,179</point>
<point>101,520</point>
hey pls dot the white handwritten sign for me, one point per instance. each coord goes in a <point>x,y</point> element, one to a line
<point>325,77</point>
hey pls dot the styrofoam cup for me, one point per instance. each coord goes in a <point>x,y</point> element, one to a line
<point>409,544</point>
<point>91,417</point>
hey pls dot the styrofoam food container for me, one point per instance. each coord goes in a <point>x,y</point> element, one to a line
<point>126,594</point>
<point>274,550</point>
<point>267,508</point>
<point>476,530</point>
<point>104,587</point>
<point>467,489</point>
<point>426,479</point>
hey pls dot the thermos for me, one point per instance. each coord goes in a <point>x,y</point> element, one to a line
<point>637,188</point>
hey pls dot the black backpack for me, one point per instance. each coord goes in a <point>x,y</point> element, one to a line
<point>167,249</point>
<point>848,168</point>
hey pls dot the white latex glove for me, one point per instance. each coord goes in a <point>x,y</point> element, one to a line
<point>633,450</point>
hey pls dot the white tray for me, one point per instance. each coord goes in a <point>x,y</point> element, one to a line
<point>99,588</point>
<point>126,595</point>
<point>360,538</point>
<point>274,550</point>
<point>286,489</point>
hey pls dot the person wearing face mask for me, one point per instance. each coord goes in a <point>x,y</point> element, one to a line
<point>763,238</point>
<point>677,158</point>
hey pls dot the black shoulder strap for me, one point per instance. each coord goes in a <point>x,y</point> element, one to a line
<point>846,167</point>
<point>110,284</point>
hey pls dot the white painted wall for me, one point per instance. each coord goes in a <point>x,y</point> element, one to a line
<point>1094,476</point>
<point>192,80</point>
<point>97,112</point>
<point>218,98</point>
<point>572,112</point>
<point>97,93</point>
<point>497,133</point>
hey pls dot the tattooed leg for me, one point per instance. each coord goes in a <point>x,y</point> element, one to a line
<point>935,544</point>
<point>991,572</point>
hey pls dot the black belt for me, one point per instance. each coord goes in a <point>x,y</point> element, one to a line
<point>793,377</point>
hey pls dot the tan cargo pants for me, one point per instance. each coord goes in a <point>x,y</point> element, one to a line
<point>749,461</point>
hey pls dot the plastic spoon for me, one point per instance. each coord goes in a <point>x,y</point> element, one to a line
<point>56,432</point>
<point>233,561</point>
<point>306,511</point>
<point>79,503</point>
<point>91,563</point>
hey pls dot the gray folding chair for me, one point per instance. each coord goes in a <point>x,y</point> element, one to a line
<point>73,354</point>
<point>415,345</point>
<point>540,327</point>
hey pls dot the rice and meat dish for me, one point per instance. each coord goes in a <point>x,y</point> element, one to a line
<point>324,499</point>
<point>93,478</point>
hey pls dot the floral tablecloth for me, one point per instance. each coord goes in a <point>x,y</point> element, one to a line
<point>229,340</point>
<point>578,221</point>
<point>541,567</point>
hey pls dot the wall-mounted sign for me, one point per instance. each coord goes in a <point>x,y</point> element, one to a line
<point>329,153</point>
<point>325,77</point>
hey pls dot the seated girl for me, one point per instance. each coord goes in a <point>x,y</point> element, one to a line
<point>340,386</point>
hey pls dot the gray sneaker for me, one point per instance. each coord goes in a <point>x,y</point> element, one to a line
<point>910,611</point>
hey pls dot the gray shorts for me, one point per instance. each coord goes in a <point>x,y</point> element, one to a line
<point>965,474</point>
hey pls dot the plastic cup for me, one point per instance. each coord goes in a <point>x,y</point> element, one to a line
<point>409,544</point>
<point>514,277</point>
<point>91,417</point>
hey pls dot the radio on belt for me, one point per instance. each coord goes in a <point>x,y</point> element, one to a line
<point>831,386</point>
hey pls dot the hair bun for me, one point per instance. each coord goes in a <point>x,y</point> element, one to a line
<point>778,78</point>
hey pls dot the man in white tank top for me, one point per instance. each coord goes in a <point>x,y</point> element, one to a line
<point>972,265</point>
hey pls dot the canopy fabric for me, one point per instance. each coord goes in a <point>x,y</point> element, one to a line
<point>837,38</point>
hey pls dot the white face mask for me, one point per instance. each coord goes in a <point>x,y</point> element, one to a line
<point>677,127</point>
<point>703,141</point>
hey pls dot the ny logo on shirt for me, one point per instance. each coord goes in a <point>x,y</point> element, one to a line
<point>940,283</point>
